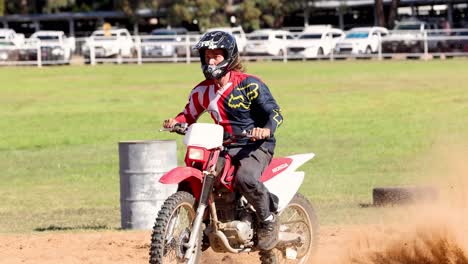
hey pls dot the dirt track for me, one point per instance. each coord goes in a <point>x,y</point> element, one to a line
<point>434,233</point>
<point>118,247</point>
<point>428,242</point>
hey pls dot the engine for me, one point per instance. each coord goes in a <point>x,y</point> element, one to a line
<point>238,232</point>
<point>235,223</point>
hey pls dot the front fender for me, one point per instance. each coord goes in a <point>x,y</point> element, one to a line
<point>179,174</point>
<point>189,175</point>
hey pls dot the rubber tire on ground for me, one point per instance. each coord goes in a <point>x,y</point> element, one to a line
<point>273,256</point>
<point>160,226</point>
<point>402,195</point>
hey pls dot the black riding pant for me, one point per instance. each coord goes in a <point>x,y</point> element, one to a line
<point>251,161</point>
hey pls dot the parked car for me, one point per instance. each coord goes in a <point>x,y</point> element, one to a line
<point>167,43</point>
<point>315,41</point>
<point>11,35</point>
<point>458,41</point>
<point>268,42</point>
<point>409,36</point>
<point>11,44</point>
<point>361,40</point>
<point>55,46</point>
<point>8,51</point>
<point>110,43</point>
<point>237,32</point>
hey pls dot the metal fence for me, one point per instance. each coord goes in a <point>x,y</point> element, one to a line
<point>150,49</point>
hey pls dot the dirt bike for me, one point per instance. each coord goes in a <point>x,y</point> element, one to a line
<point>206,211</point>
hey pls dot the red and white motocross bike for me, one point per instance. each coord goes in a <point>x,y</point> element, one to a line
<point>207,212</point>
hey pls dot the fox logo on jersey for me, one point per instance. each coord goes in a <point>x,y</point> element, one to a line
<point>242,100</point>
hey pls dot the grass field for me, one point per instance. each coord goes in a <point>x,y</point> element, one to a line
<point>370,123</point>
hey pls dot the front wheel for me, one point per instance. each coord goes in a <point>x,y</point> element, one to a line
<point>173,229</point>
<point>297,218</point>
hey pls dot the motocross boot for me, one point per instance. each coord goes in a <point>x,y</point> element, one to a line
<point>267,234</point>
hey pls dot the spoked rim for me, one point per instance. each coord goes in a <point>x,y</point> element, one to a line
<point>295,219</point>
<point>177,233</point>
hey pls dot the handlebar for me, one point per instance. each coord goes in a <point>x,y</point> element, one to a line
<point>248,134</point>
<point>233,140</point>
<point>179,128</point>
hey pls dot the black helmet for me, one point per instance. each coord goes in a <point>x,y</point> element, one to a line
<point>217,40</point>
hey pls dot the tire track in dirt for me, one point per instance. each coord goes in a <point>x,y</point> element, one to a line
<point>108,247</point>
<point>338,244</point>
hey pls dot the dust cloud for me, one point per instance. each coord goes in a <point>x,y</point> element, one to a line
<point>434,232</point>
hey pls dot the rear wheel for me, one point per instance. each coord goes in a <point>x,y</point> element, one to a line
<point>298,218</point>
<point>173,229</point>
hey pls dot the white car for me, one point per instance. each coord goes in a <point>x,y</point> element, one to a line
<point>11,36</point>
<point>361,40</point>
<point>55,45</point>
<point>237,32</point>
<point>268,42</point>
<point>168,42</point>
<point>110,43</point>
<point>11,45</point>
<point>315,41</point>
<point>408,37</point>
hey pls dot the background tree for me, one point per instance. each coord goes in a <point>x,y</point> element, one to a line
<point>393,13</point>
<point>24,7</point>
<point>2,7</point>
<point>249,15</point>
<point>207,13</point>
<point>131,7</point>
<point>274,11</point>
<point>54,6</point>
<point>379,12</point>
<point>92,5</point>
<point>229,7</point>
<point>271,13</point>
<point>180,11</point>
<point>210,13</point>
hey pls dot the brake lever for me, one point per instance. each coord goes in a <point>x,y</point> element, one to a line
<point>248,134</point>
<point>179,128</point>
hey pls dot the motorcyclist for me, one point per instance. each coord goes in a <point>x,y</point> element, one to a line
<point>238,102</point>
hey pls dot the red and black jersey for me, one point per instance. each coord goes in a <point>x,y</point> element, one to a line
<point>243,103</point>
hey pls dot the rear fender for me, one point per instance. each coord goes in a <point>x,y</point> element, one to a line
<point>182,175</point>
<point>287,182</point>
<point>285,186</point>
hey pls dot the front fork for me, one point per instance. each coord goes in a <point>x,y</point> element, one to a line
<point>206,192</point>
